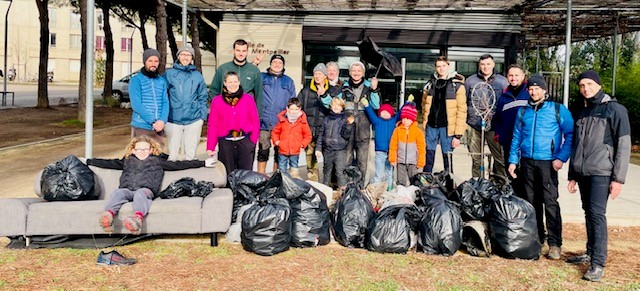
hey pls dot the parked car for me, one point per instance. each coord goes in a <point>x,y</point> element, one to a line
<point>120,88</point>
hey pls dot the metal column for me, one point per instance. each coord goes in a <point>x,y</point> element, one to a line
<point>403,64</point>
<point>615,59</point>
<point>6,37</point>
<point>88,126</point>
<point>184,22</point>
<point>567,57</point>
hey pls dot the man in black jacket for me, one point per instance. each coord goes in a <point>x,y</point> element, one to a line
<point>599,162</point>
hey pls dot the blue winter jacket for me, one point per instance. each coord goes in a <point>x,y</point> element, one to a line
<point>187,94</point>
<point>383,128</point>
<point>149,100</point>
<point>539,136</point>
<point>506,113</point>
<point>276,92</point>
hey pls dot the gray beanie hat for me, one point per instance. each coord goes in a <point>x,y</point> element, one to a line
<point>322,68</point>
<point>149,53</point>
<point>186,48</point>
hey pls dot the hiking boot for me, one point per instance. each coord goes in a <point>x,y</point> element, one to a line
<point>114,258</point>
<point>584,258</point>
<point>554,253</point>
<point>134,224</point>
<point>106,221</point>
<point>594,274</point>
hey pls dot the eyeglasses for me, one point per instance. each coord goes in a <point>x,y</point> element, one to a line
<point>142,150</point>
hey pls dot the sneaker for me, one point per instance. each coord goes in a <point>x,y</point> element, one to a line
<point>594,274</point>
<point>584,258</point>
<point>134,224</point>
<point>106,221</point>
<point>554,253</point>
<point>114,258</point>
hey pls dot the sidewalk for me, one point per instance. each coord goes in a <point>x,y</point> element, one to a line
<point>19,166</point>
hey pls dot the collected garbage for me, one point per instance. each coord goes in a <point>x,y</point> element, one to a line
<point>266,227</point>
<point>352,212</point>
<point>441,226</point>
<point>513,228</point>
<point>475,196</point>
<point>393,229</point>
<point>187,187</point>
<point>68,179</point>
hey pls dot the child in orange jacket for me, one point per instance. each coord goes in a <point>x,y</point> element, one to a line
<point>407,149</point>
<point>291,135</point>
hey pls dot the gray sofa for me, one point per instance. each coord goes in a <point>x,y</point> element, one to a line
<point>185,215</point>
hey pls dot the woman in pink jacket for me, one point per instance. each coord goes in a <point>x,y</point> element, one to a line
<point>234,126</point>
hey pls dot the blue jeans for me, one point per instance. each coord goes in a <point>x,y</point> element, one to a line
<point>434,135</point>
<point>286,162</point>
<point>384,171</point>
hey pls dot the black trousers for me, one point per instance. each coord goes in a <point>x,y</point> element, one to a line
<point>541,173</point>
<point>594,192</point>
<point>334,161</point>
<point>236,154</point>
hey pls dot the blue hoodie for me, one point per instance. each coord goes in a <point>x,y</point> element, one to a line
<point>187,94</point>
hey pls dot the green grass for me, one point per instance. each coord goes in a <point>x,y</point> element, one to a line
<point>72,122</point>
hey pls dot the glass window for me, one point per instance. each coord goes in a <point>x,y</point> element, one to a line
<point>75,21</point>
<point>52,39</point>
<point>74,66</point>
<point>100,43</point>
<point>125,44</point>
<point>53,18</point>
<point>75,41</point>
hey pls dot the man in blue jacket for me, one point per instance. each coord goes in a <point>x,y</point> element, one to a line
<point>277,89</point>
<point>188,106</point>
<point>149,101</point>
<point>542,144</point>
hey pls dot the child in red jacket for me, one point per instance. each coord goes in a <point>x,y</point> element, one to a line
<point>290,135</point>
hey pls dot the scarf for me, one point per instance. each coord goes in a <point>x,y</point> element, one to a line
<point>515,90</point>
<point>232,98</point>
<point>148,73</point>
<point>355,85</point>
<point>536,103</point>
<point>292,118</point>
<point>314,86</point>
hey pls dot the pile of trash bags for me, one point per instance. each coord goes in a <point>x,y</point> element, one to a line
<point>272,214</point>
<point>68,179</point>
<point>187,187</point>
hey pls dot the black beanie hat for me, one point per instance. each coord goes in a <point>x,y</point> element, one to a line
<point>590,74</point>
<point>537,80</point>
<point>280,57</point>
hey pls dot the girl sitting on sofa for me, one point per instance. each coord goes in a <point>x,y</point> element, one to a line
<point>142,173</point>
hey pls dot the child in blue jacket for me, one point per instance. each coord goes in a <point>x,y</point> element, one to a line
<point>383,124</point>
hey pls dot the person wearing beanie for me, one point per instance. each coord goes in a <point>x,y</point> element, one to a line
<point>311,96</point>
<point>515,96</point>
<point>407,146</point>
<point>541,144</point>
<point>354,90</point>
<point>149,100</point>
<point>278,89</point>
<point>599,162</point>
<point>250,80</point>
<point>444,107</point>
<point>383,124</point>
<point>184,126</point>
<point>486,74</point>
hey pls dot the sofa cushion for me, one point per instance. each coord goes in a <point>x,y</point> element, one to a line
<point>13,215</point>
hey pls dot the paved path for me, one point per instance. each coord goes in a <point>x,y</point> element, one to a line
<point>18,167</point>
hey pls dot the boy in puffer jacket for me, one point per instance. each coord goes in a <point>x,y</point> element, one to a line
<point>333,138</point>
<point>407,147</point>
<point>291,135</point>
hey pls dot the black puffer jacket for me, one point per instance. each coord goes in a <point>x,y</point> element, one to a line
<point>334,133</point>
<point>312,105</point>
<point>147,173</point>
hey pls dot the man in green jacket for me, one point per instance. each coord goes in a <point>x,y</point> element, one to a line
<point>249,74</point>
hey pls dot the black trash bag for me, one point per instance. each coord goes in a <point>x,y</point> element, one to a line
<point>422,179</point>
<point>68,180</point>
<point>351,214</point>
<point>245,186</point>
<point>204,188</point>
<point>266,227</point>
<point>513,228</point>
<point>441,226</point>
<point>442,179</point>
<point>182,187</point>
<point>475,196</point>
<point>353,174</point>
<point>310,216</point>
<point>393,229</point>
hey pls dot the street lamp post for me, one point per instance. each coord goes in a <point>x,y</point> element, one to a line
<point>6,37</point>
<point>130,44</point>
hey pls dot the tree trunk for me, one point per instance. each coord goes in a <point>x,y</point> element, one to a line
<point>83,64</point>
<point>143,33</point>
<point>195,40</point>
<point>172,40</point>
<point>108,35</point>
<point>43,96</point>
<point>161,34</point>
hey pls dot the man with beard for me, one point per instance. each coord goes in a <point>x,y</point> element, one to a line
<point>249,74</point>
<point>149,99</point>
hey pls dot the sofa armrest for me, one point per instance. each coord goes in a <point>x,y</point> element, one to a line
<point>14,215</point>
<point>216,211</point>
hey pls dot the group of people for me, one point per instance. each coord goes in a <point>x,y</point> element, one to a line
<point>530,136</point>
